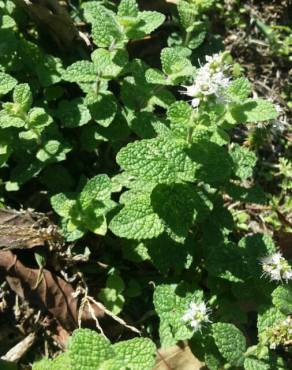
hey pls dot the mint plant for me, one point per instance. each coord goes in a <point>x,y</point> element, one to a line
<point>143,161</point>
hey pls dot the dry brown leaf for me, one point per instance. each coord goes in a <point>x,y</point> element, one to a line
<point>51,294</point>
<point>177,358</point>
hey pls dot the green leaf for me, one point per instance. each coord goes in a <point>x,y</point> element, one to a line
<point>254,110</point>
<point>103,108</point>
<point>63,204</point>
<point>112,299</point>
<point>174,64</point>
<point>128,8</point>
<point>224,259</point>
<point>254,194</point>
<point>230,342</point>
<point>154,76</point>
<point>244,161</point>
<point>97,188</point>
<point>282,299</point>
<point>176,68</point>
<point>175,204</point>
<point>158,160</point>
<point>38,118</point>
<point>150,21</point>
<point>81,71</point>
<point>23,96</point>
<point>105,29</point>
<point>147,125</point>
<point>73,113</point>
<point>61,362</point>
<point>5,146</point>
<point>188,13</point>
<point>7,83</point>
<point>109,64</point>
<point>239,89</point>
<point>180,114</point>
<point>136,354</point>
<point>137,220</point>
<point>53,151</point>
<point>213,162</point>
<point>8,120</point>
<point>168,255</point>
<point>135,251</point>
<point>254,364</point>
<point>88,350</point>
<point>43,364</point>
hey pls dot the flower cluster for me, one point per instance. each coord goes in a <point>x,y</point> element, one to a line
<point>280,334</point>
<point>196,315</point>
<point>276,267</point>
<point>210,80</point>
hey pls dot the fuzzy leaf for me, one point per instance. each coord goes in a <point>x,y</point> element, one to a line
<point>8,120</point>
<point>81,71</point>
<point>180,113</point>
<point>157,160</point>
<point>176,205</point>
<point>175,64</point>
<point>63,204</point>
<point>255,364</point>
<point>136,354</point>
<point>128,8</point>
<point>103,108</point>
<point>213,161</point>
<point>244,161</point>
<point>282,299</point>
<point>151,21</point>
<point>137,220</point>
<point>97,188</point>
<point>88,350</point>
<point>52,151</point>
<point>23,96</point>
<point>38,118</point>
<point>73,113</point>
<point>154,76</point>
<point>109,64</point>
<point>105,29</point>
<point>254,110</point>
<point>7,83</point>
<point>239,89</point>
<point>230,342</point>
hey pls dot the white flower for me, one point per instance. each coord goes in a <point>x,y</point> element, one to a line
<point>276,267</point>
<point>196,315</point>
<point>278,108</point>
<point>210,80</point>
<point>213,58</point>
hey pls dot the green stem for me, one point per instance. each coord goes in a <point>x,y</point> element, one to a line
<point>190,135</point>
<point>187,38</point>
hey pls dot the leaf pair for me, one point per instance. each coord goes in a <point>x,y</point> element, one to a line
<point>87,210</point>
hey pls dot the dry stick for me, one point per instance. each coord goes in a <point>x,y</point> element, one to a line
<point>16,352</point>
<point>114,317</point>
<point>91,310</point>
